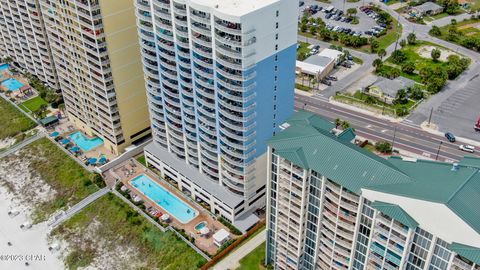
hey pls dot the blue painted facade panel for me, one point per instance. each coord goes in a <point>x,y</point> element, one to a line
<point>267,99</point>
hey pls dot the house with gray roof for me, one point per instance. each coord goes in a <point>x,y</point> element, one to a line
<point>386,89</point>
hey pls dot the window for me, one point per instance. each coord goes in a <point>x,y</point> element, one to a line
<point>276,68</point>
<point>276,57</point>
<point>275,97</point>
<point>274,107</point>
<point>276,36</point>
<point>276,78</point>
<point>275,88</point>
<point>274,115</point>
<point>278,13</point>
<point>276,47</point>
<point>276,25</point>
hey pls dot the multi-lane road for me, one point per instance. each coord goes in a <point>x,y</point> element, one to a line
<point>408,137</point>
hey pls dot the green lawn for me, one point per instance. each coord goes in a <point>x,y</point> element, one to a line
<point>462,33</point>
<point>12,121</point>
<point>420,62</point>
<point>303,48</point>
<point>142,160</point>
<point>391,35</point>
<point>302,87</point>
<point>254,260</point>
<point>64,175</point>
<point>33,104</point>
<point>436,16</point>
<point>120,226</point>
<point>391,2</point>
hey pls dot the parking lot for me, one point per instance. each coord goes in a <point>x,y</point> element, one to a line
<point>335,20</point>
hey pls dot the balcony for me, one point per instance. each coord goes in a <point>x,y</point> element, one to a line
<point>236,107</point>
<point>201,17</point>
<point>236,75</point>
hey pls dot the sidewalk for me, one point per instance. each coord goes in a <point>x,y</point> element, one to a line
<point>232,261</point>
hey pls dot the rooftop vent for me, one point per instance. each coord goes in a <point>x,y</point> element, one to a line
<point>455,167</point>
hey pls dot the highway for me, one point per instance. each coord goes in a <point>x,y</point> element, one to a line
<point>408,137</point>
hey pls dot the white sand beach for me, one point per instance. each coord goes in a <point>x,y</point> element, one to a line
<point>28,245</point>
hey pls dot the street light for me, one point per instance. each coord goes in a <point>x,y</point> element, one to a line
<point>438,151</point>
<point>393,140</point>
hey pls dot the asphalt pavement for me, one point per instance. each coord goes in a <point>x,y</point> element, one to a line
<point>454,109</point>
<point>408,137</point>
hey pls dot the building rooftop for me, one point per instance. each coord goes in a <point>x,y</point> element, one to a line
<point>396,212</point>
<point>471,253</point>
<point>390,87</point>
<point>428,6</point>
<point>235,7</point>
<point>330,53</point>
<point>312,146</point>
<point>319,60</point>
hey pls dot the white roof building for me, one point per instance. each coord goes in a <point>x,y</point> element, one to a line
<point>221,237</point>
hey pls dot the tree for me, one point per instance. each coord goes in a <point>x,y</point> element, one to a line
<point>401,97</point>
<point>303,27</point>
<point>408,67</point>
<point>345,124</point>
<point>374,44</point>
<point>338,122</point>
<point>398,57</point>
<point>352,11</point>
<point>377,63</point>
<point>383,147</point>
<point>435,54</point>
<point>435,31</point>
<point>453,21</point>
<point>403,43</point>
<point>381,53</point>
<point>415,92</point>
<point>313,30</point>
<point>412,38</point>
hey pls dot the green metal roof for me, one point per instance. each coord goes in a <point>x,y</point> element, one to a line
<point>396,212</point>
<point>48,120</point>
<point>470,161</point>
<point>437,182</point>
<point>471,253</point>
<point>307,142</point>
<point>347,135</point>
<point>340,161</point>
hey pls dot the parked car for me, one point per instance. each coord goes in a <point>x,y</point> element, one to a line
<point>301,3</point>
<point>326,82</point>
<point>467,148</point>
<point>450,137</point>
<point>332,78</point>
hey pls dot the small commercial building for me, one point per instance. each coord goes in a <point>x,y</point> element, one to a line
<point>426,9</point>
<point>220,237</point>
<point>319,65</point>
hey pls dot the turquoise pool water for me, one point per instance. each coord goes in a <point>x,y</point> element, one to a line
<point>173,205</point>
<point>200,225</point>
<point>12,84</point>
<point>3,67</point>
<point>85,143</point>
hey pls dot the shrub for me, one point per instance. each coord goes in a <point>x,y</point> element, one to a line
<point>230,226</point>
<point>398,57</point>
<point>383,147</point>
<point>97,179</point>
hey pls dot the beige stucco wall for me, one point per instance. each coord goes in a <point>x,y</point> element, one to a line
<point>124,52</point>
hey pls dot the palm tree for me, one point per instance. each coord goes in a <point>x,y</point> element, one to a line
<point>381,53</point>
<point>338,122</point>
<point>345,124</point>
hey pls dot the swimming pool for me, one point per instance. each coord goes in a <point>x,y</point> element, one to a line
<point>85,143</point>
<point>12,84</point>
<point>4,67</point>
<point>173,205</point>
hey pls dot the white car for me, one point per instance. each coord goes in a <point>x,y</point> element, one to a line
<point>467,148</point>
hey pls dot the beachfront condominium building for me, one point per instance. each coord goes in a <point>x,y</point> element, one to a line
<point>23,39</point>
<point>96,54</point>
<point>333,205</point>
<point>220,77</point>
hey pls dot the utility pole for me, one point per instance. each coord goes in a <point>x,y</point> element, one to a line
<point>438,151</point>
<point>430,117</point>
<point>394,133</point>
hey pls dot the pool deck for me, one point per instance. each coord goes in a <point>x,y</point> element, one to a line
<point>205,243</point>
